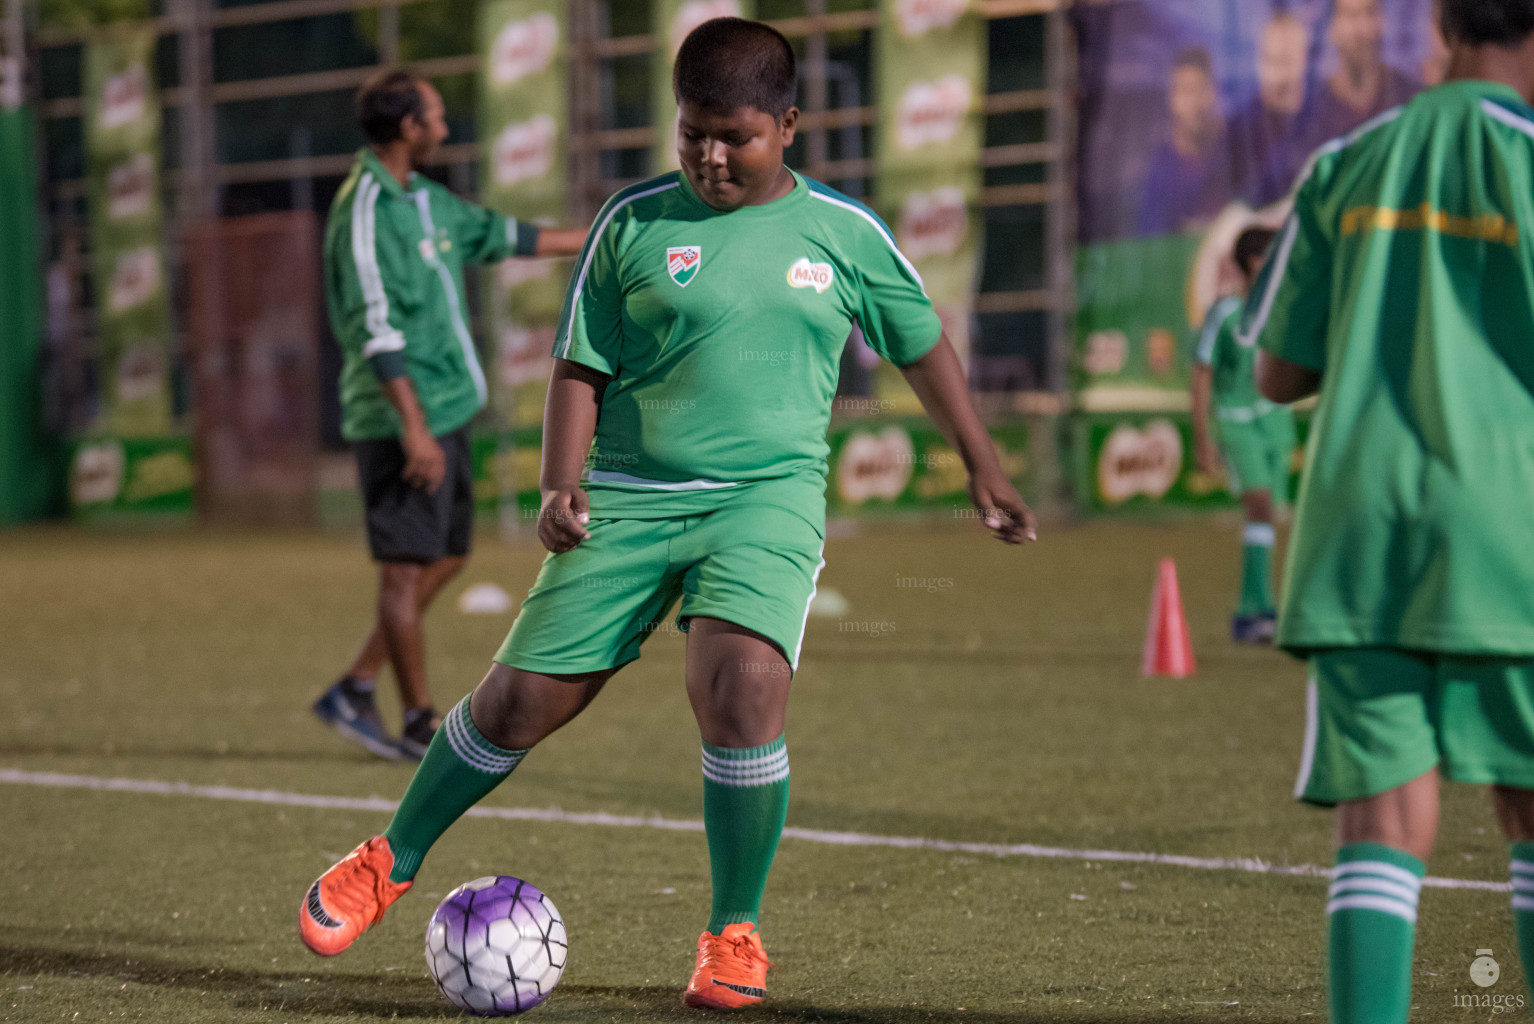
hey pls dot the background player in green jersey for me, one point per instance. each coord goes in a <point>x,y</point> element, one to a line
<point>1402,288</point>
<point>685,458</point>
<point>395,246</point>
<point>1256,440</point>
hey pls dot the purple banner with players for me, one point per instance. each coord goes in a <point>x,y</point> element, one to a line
<point>1196,117</point>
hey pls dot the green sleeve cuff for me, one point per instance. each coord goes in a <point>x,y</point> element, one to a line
<point>911,358</point>
<point>527,239</point>
<point>388,365</point>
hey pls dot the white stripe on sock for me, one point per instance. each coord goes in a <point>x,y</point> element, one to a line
<point>1260,535</point>
<point>1364,883</point>
<point>753,771</point>
<point>1522,867</point>
<point>1381,868</point>
<point>1384,904</point>
<point>458,727</point>
<point>1523,902</point>
<point>746,763</point>
<point>714,771</point>
<point>742,769</point>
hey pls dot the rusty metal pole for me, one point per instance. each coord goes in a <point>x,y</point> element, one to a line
<point>388,36</point>
<point>198,194</point>
<point>816,99</point>
<point>585,109</point>
<point>13,80</point>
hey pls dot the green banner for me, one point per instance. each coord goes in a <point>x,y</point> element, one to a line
<point>904,464</point>
<point>1145,461</point>
<point>930,81</point>
<point>132,477</point>
<point>672,21</point>
<point>26,476</point>
<point>122,144</point>
<point>523,112</point>
<point>512,457</point>
<point>1135,323</point>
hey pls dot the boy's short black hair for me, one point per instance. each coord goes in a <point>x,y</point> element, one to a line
<point>386,99</point>
<point>1252,246</point>
<point>728,63</point>
<point>1486,22</point>
<point>1194,57</point>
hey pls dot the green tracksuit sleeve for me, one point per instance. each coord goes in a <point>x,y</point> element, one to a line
<point>484,236</point>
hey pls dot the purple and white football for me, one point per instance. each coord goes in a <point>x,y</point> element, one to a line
<point>496,946</point>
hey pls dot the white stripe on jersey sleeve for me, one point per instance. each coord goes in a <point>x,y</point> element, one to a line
<point>592,241</point>
<point>877,227</point>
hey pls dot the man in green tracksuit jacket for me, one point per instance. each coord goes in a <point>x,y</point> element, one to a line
<point>395,247</point>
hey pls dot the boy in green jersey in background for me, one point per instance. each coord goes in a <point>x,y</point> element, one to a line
<point>1256,440</point>
<point>684,456</point>
<point>1402,289</point>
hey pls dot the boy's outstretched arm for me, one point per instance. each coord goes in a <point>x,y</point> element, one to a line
<point>569,424</point>
<point>938,380</point>
<point>560,241</point>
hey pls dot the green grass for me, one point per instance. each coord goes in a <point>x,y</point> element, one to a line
<point>1003,705</point>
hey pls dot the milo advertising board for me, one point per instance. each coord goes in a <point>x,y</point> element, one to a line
<point>1132,463</point>
<point>111,477</point>
<point>900,464</point>
<point>131,459</point>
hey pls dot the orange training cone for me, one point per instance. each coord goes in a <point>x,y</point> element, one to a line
<point>1168,651</point>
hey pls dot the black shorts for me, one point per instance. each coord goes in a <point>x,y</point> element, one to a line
<point>405,523</point>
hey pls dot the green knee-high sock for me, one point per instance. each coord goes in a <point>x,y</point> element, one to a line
<point>1256,569</point>
<point>459,769</point>
<point>1522,870</point>
<point>1371,915</point>
<point>745,802</point>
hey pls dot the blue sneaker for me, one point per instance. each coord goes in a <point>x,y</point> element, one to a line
<point>415,737</point>
<point>1255,630</point>
<point>352,714</point>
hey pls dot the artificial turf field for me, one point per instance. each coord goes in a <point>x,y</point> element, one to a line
<point>973,693</point>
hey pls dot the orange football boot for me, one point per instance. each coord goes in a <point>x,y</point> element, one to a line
<point>349,899</point>
<point>731,971</point>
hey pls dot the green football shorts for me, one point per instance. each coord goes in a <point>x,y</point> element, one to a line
<point>593,606</point>
<point>1378,717</point>
<point>1257,453</point>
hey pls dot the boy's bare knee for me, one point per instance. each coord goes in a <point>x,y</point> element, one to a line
<point>1258,506</point>
<point>1403,818</point>
<point>398,582</point>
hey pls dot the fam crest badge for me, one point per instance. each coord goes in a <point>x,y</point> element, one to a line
<point>682,263</point>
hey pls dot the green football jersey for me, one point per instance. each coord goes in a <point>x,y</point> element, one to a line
<point>1405,275</point>
<point>394,260</point>
<point>723,335</point>
<point>1233,362</point>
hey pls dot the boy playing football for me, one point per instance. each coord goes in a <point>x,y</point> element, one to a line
<point>1256,440</point>
<point>699,349</point>
<point>1402,289</point>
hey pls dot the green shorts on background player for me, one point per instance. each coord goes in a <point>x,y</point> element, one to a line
<point>1402,288</point>
<point>1256,441</point>
<point>684,463</point>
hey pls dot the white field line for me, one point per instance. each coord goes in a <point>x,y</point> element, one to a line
<point>1252,865</point>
